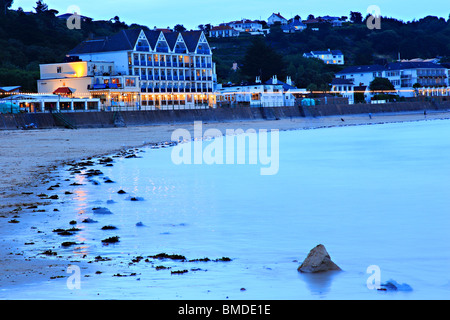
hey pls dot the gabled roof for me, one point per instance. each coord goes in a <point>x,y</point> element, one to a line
<point>337,81</point>
<point>221,27</point>
<point>152,37</point>
<point>191,39</point>
<point>10,89</point>
<point>285,85</point>
<point>413,65</point>
<point>279,16</point>
<point>391,66</point>
<point>362,69</point>
<point>333,52</point>
<point>126,40</point>
<point>171,39</point>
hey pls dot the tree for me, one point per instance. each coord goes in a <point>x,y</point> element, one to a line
<point>41,7</point>
<point>6,4</point>
<point>179,28</point>
<point>381,84</point>
<point>356,17</point>
<point>263,61</point>
<point>310,17</point>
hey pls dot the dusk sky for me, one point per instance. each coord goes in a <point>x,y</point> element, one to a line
<point>192,13</point>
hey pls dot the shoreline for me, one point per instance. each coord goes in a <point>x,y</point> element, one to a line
<point>31,159</point>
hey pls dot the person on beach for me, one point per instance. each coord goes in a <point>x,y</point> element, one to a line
<point>370,116</point>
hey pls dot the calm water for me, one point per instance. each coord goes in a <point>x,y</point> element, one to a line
<point>373,195</point>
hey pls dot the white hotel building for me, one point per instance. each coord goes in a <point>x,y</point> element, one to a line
<point>138,69</point>
<point>432,79</point>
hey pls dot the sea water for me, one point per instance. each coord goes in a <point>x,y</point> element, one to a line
<point>372,195</point>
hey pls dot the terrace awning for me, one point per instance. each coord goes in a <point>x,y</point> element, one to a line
<point>63,90</point>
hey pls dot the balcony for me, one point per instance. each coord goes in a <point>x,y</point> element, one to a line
<point>104,86</point>
<point>143,48</point>
<point>149,63</point>
<point>156,64</point>
<point>162,49</point>
<point>143,77</point>
<point>203,51</point>
<point>162,63</point>
<point>143,63</point>
<point>136,62</point>
<point>180,50</point>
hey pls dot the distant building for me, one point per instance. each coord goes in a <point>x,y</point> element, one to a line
<point>9,90</point>
<point>272,93</point>
<point>66,16</point>
<point>246,25</point>
<point>334,21</point>
<point>276,17</point>
<point>223,31</point>
<point>344,87</point>
<point>329,56</point>
<point>409,78</point>
<point>294,26</point>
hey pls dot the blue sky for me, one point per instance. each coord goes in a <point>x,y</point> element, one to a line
<point>163,13</point>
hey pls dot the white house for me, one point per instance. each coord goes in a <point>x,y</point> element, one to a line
<point>431,78</point>
<point>294,26</point>
<point>344,87</point>
<point>223,31</point>
<point>246,25</point>
<point>329,56</point>
<point>272,93</point>
<point>86,79</point>
<point>276,17</point>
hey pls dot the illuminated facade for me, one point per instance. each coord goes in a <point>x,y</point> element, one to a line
<point>87,79</point>
<point>171,70</point>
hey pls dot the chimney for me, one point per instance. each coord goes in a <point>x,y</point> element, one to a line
<point>289,81</point>
<point>274,79</point>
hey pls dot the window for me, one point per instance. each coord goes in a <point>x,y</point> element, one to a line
<point>129,82</point>
<point>58,70</point>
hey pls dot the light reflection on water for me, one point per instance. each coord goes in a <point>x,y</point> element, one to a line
<point>360,191</point>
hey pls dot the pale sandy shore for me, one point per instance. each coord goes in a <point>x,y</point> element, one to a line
<point>29,160</point>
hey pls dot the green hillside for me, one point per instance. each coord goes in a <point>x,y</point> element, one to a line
<point>28,39</point>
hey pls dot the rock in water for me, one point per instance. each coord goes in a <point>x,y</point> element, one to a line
<point>318,260</point>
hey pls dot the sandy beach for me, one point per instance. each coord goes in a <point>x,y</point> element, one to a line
<point>30,160</point>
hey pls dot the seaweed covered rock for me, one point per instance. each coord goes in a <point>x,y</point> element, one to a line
<point>318,260</point>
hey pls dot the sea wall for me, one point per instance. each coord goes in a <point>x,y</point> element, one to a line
<point>135,118</point>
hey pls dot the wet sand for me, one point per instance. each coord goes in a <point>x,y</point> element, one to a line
<point>29,161</point>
